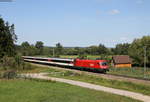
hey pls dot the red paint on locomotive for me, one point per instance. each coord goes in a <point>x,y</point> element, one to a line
<point>98,64</point>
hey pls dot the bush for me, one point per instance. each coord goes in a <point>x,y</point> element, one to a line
<point>10,74</point>
<point>8,62</point>
<point>15,63</point>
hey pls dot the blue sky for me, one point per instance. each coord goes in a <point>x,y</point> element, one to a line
<point>78,22</point>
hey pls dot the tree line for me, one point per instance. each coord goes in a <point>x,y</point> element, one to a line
<point>136,50</point>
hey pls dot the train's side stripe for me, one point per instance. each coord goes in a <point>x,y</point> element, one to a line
<point>47,62</point>
<point>61,59</point>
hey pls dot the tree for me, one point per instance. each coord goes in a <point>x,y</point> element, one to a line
<point>136,50</point>
<point>94,50</point>
<point>39,45</point>
<point>59,49</point>
<point>121,49</point>
<point>102,49</point>
<point>25,48</point>
<point>7,39</point>
<point>97,50</point>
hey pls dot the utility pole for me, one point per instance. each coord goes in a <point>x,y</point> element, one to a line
<point>144,60</point>
<point>53,52</point>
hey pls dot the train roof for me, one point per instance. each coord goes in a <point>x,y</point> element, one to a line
<point>48,58</point>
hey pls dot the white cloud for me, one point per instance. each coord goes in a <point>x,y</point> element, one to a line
<point>114,12</point>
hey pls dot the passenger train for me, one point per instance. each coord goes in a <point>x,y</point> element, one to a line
<point>100,65</point>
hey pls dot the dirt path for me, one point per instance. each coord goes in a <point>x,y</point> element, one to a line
<point>106,76</point>
<point>133,95</point>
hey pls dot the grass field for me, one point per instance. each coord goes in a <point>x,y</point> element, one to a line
<point>141,88</point>
<point>88,56</point>
<point>42,91</point>
<point>69,56</point>
<point>131,72</point>
<point>75,56</point>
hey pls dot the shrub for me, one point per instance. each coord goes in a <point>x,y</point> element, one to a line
<point>16,63</point>
<point>8,62</point>
<point>10,74</point>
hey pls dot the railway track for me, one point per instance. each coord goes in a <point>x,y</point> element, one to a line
<point>106,76</point>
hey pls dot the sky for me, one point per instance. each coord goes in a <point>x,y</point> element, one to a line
<point>78,22</point>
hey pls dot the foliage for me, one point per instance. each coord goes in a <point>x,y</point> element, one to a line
<point>8,62</point>
<point>14,63</point>
<point>97,50</point>
<point>10,74</point>
<point>58,49</point>
<point>27,49</point>
<point>121,49</point>
<point>137,51</point>
<point>39,47</point>
<point>7,39</point>
<point>103,49</point>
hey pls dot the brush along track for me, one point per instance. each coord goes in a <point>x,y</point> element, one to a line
<point>106,76</point>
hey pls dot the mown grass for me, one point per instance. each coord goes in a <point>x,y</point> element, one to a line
<point>141,88</point>
<point>20,90</point>
<point>61,73</point>
<point>137,72</point>
<point>69,56</point>
<point>76,56</point>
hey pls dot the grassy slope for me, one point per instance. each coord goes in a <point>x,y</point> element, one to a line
<point>132,72</point>
<point>41,91</point>
<point>141,88</point>
<point>145,89</point>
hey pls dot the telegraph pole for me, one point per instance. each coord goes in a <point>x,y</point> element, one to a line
<point>53,52</point>
<point>144,60</point>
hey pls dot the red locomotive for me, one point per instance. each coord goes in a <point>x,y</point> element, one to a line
<point>100,65</point>
<point>95,64</point>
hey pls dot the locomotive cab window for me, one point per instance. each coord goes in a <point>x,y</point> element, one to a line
<point>103,63</point>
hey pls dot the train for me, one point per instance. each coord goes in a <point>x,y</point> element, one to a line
<point>98,65</point>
